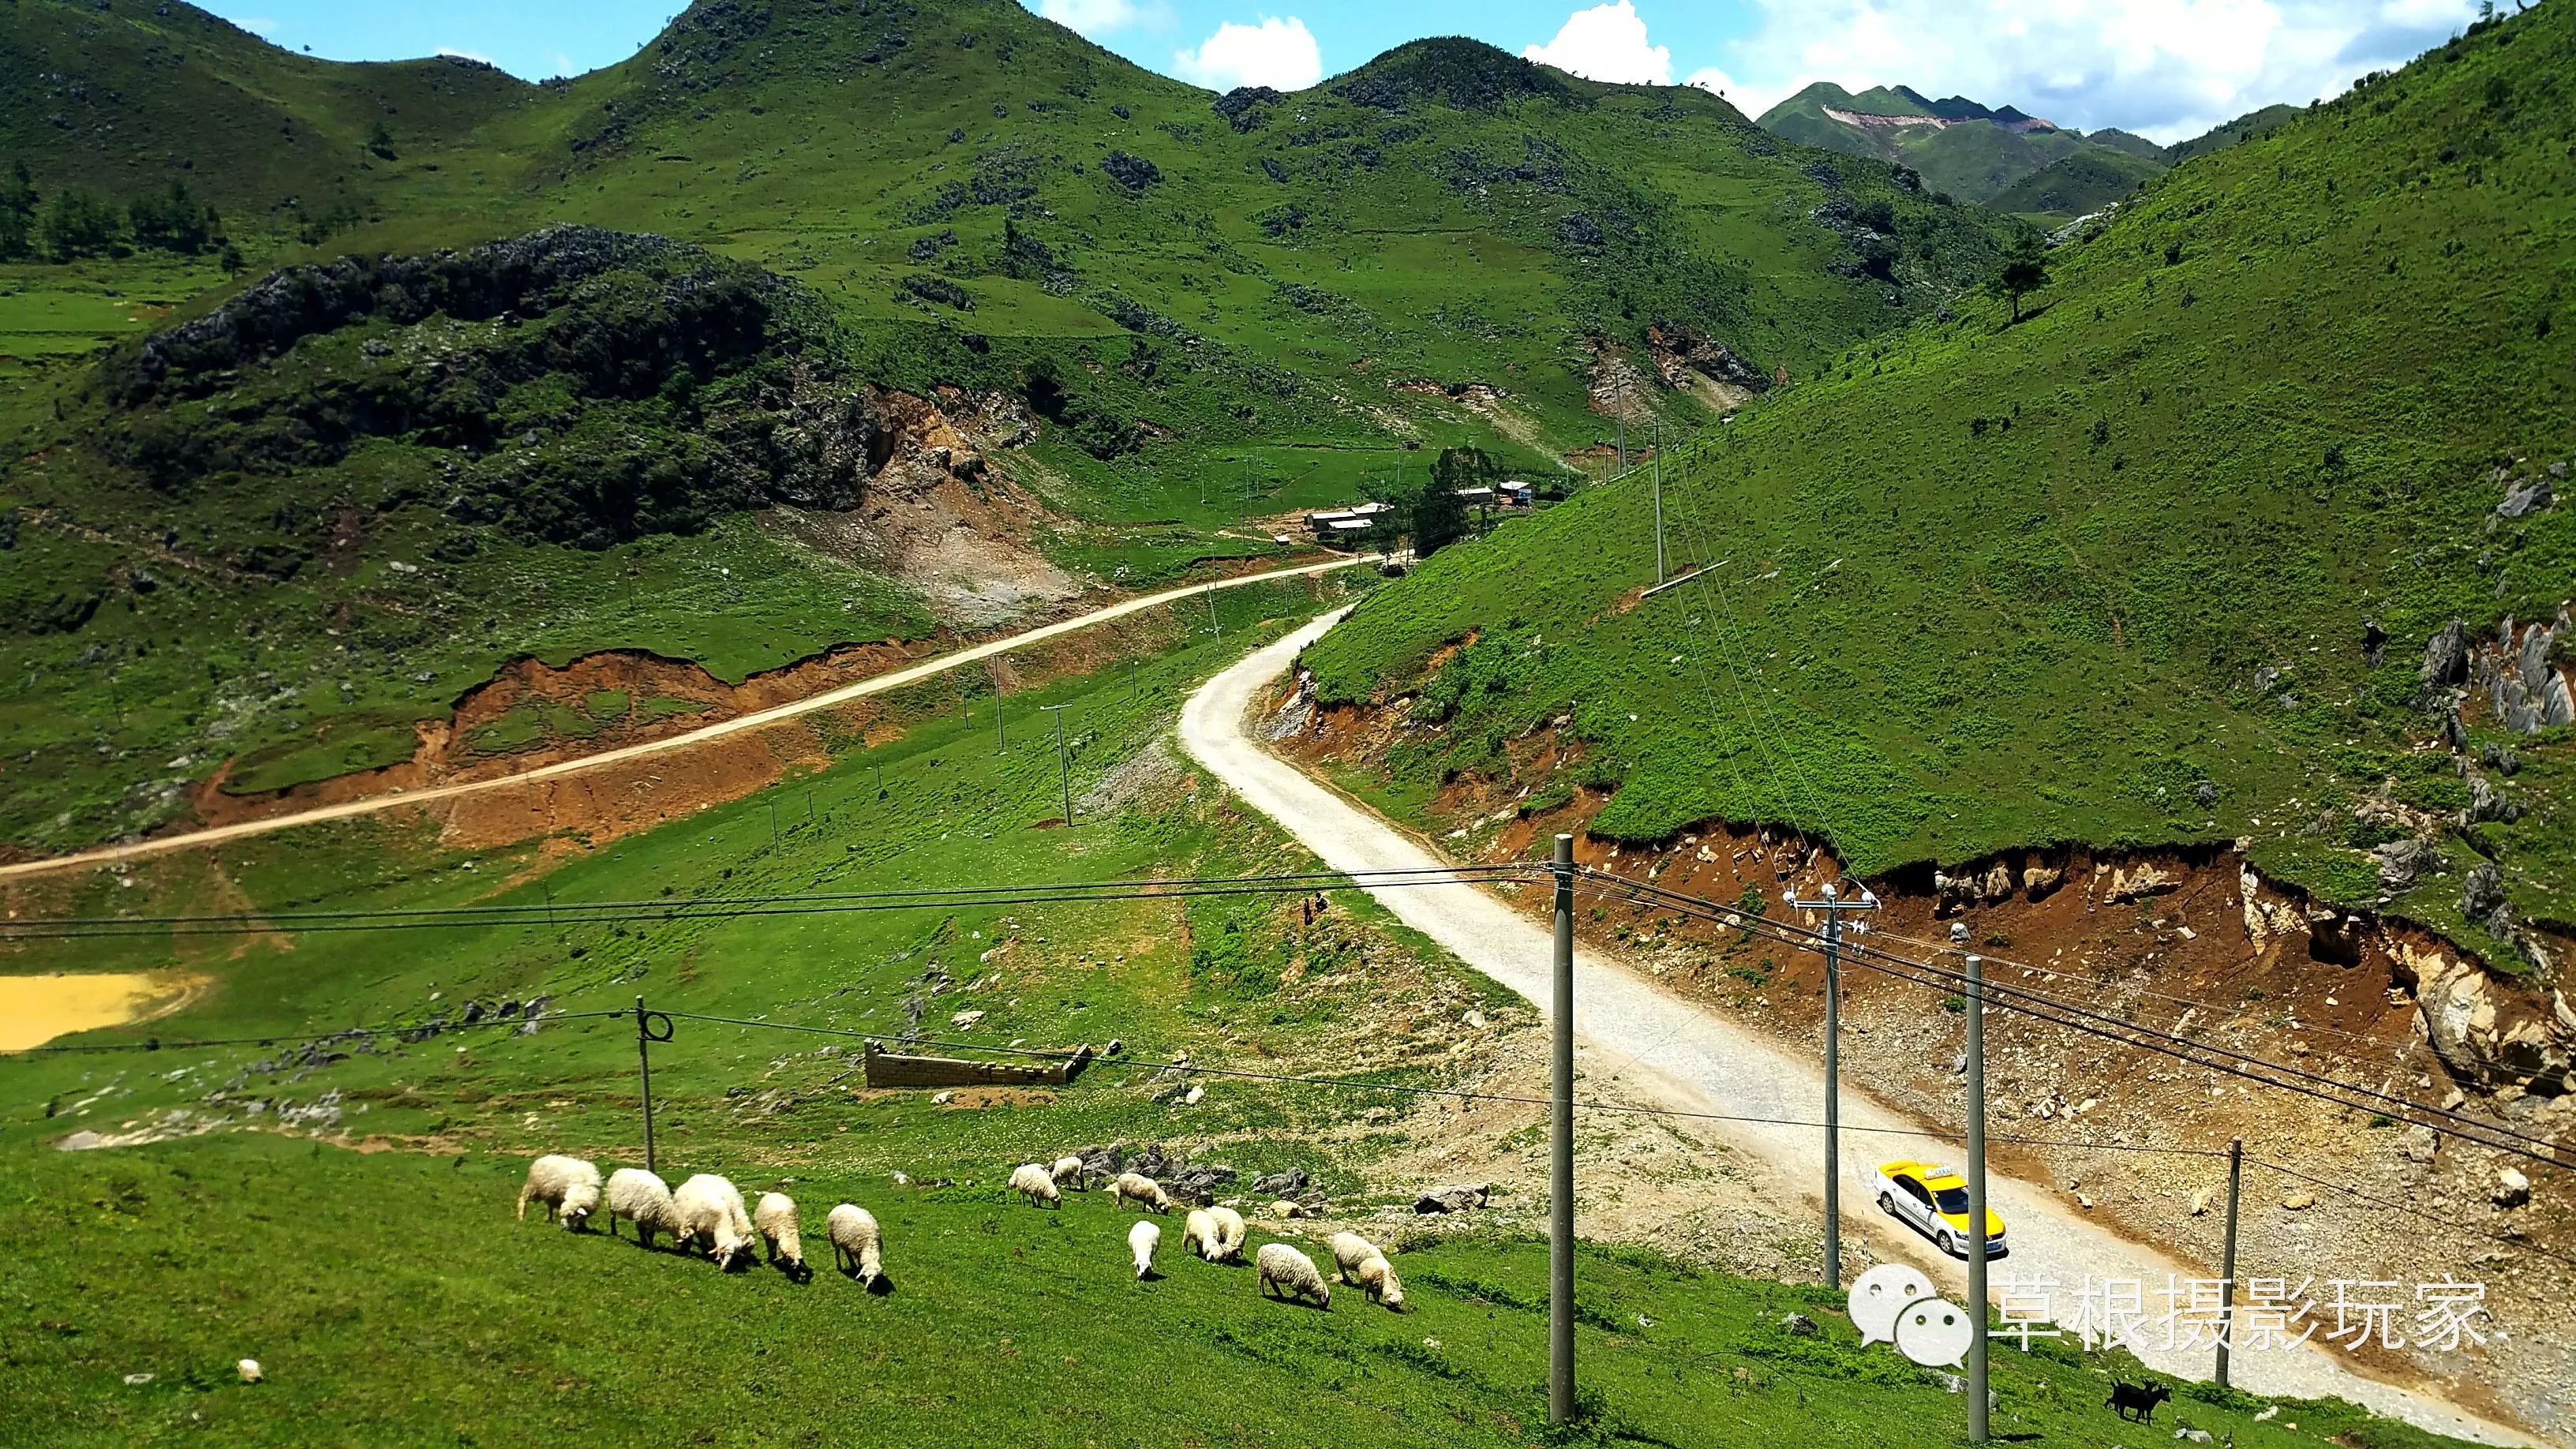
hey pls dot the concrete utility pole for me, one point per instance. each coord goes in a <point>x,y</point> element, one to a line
<point>1833,905</point>
<point>2227,1264</point>
<point>1659,499</point>
<point>1063,770</point>
<point>1560,1203</point>
<point>1977,1429</point>
<point>1213,626</point>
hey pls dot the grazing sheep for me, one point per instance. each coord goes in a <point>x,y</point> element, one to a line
<point>1230,1235</point>
<point>1377,1278</point>
<point>856,1239</point>
<point>643,1199</point>
<point>1069,1167</point>
<point>710,1211</point>
<point>1141,1241</point>
<point>1285,1272</point>
<point>1349,1251</point>
<point>1201,1235</point>
<point>1136,1187</point>
<point>568,1186</point>
<point>1036,1184</point>
<point>1284,1209</point>
<point>775,1217</point>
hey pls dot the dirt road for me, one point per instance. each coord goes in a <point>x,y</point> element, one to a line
<point>878,684</point>
<point>1708,1064</point>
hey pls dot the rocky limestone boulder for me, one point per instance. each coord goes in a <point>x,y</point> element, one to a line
<point>2446,664</point>
<point>2402,863</point>
<point>1465,1197</point>
<point>2482,1030</point>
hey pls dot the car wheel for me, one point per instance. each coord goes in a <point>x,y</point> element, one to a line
<point>1887,1204</point>
<point>1946,1244</point>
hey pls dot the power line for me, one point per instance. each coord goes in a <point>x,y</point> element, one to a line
<point>2393,1205</point>
<point>727,907</point>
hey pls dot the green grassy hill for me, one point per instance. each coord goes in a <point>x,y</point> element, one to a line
<point>2159,563</point>
<point>1205,309</point>
<point>2076,185</point>
<point>127,96</point>
<point>388,1292</point>
<point>2244,127</point>
<point>1977,157</point>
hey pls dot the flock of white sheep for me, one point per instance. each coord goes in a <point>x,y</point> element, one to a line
<point>706,1214</point>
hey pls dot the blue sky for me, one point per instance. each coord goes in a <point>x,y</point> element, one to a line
<point>2164,68</point>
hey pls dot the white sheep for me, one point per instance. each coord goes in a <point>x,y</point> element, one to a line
<point>1284,1209</point>
<point>1358,1261</point>
<point>1285,1272</point>
<point>1349,1251</point>
<point>1036,1184</point>
<point>568,1186</point>
<point>1136,1187</point>
<point>643,1199</point>
<point>1141,1242</point>
<point>1230,1235</point>
<point>1201,1235</point>
<point>709,1211</point>
<point>857,1240</point>
<point>1070,1167</point>
<point>1377,1279</point>
<point>775,1218</point>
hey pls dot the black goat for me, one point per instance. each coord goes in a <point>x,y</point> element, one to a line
<point>2141,1398</point>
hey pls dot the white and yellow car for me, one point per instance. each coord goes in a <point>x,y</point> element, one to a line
<point>1935,1200</point>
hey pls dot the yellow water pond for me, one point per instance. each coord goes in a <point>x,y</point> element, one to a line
<point>36,1009</point>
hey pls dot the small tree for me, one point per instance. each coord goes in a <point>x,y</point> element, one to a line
<point>17,211</point>
<point>172,222</point>
<point>2025,271</point>
<point>1439,514</point>
<point>380,140</point>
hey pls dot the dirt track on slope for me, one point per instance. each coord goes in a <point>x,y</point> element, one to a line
<point>639,761</point>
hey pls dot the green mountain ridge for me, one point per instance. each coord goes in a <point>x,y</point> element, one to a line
<point>2160,564</point>
<point>1303,296</point>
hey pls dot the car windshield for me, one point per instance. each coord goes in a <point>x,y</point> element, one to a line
<point>1952,1199</point>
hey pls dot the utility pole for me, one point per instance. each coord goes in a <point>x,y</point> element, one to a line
<point>1977,1429</point>
<point>1213,626</point>
<point>1560,1202</point>
<point>1063,770</point>
<point>1659,499</point>
<point>1833,905</point>
<point>2227,1264</point>
<point>644,1040</point>
<point>773,822</point>
<point>1001,726</point>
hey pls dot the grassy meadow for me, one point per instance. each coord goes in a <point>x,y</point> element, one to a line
<point>387,1293</point>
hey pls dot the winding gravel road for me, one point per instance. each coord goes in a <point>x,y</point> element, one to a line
<point>1702,1062</point>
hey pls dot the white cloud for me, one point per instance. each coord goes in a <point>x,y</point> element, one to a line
<point>1092,17</point>
<point>2168,69</point>
<point>1279,53</point>
<point>1606,43</point>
